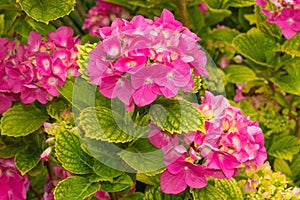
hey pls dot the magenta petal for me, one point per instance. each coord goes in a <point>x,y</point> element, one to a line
<point>193,180</point>
<point>144,95</point>
<point>172,184</point>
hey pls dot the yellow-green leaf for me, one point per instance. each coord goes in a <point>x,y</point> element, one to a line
<point>45,10</point>
<point>239,74</point>
<point>27,159</point>
<point>122,182</point>
<point>75,188</point>
<point>21,120</point>
<point>229,188</point>
<point>256,46</point>
<point>70,154</point>
<point>104,124</point>
<point>285,147</point>
<point>176,116</point>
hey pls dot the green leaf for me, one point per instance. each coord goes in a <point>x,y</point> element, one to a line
<point>292,46</point>
<point>75,188</point>
<point>295,165</point>
<point>256,46</point>
<point>285,147</point>
<point>21,120</point>
<point>209,192</point>
<point>122,182</point>
<point>238,3</point>
<point>83,58</point>
<point>40,27</point>
<point>176,116</point>
<point>9,146</point>
<point>229,188</point>
<point>45,11</point>
<point>196,19</point>
<point>71,156</point>
<point>287,83</point>
<point>239,74</point>
<point>105,172</point>
<point>143,157</point>
<point>135,196</point>
<point>27,159</point>
<point>104,124</point>
<point>152,193</point>
<point>22,28</point>
<point>149,180</point>
<point>281,99</point>
<point>1,24</point>
<point>56,107</point>
<point>282,166</point>
<point>5,2</point>
<point>223,34</point>
<point>264,25</point>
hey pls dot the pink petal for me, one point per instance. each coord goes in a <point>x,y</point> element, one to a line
<point>172,184</point>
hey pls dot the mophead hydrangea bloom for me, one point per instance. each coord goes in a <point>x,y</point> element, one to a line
<point>12,184</point>
<point>32,71</point>
<point>230,141</point>
<point>286,15</point>
<point>141,59</point>
<point>102,15</point>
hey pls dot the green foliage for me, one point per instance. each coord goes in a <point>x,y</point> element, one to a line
<point>292,46</point>
<point>239,74</point>
<point>70,154</point>
<point>209,192</point>
<point>120,183</point>
<point>27,159</point>
<point>83,58</point>
<point>105,124</point>
<point>21,120</point>
<point>256,46</point>
<point>45,11</point>
<point>230,188</point>
<point>75,188</point>
<point>176,116</point>
<point>285,147</point>
<point>155,193</point>
<point>140,156</point>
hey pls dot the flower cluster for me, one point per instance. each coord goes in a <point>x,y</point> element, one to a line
<point>13,184</point>
<point>266,184</point>
<point>141,59</point>
<point>286,15</point>
<point>230,141</point>
<point>102,15</point>
<point>32,71</point>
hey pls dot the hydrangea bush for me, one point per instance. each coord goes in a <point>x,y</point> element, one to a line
<point>123,100</point>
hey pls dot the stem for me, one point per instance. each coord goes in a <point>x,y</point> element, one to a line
<point>183,12</point>
<point>297,130</point>
<point>35,192</point>
<point>51,173</point>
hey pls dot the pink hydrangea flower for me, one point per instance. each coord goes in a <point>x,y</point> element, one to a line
<point>32,71</point>
<point>13,184</point>
<point>102,15</point>
<point>230,141</point>
<point>141,59</point>
<point>285,14</point>
<point>181,174</point>
<point>289,22</point>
